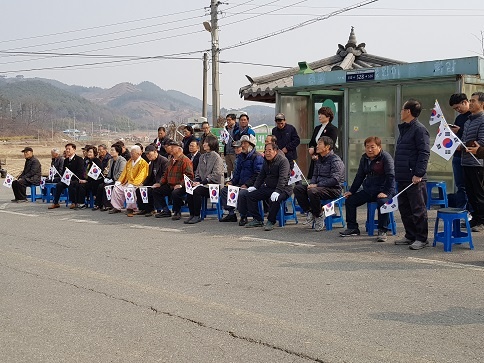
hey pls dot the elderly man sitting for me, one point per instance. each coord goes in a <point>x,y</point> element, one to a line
<point>247,167</point>
<point>133,175</point>
<point>326,182</point>
<point>29,176</point>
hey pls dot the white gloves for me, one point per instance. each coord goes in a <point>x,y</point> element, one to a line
<point>274,196</point>
<point>107,181</point>
<point>251,189</point>
<point>117,183</point>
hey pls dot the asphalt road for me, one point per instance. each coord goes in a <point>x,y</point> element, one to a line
<point>84,286</point>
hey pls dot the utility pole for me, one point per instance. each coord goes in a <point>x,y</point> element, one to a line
<point>215,64</point>
<point>205,71</point>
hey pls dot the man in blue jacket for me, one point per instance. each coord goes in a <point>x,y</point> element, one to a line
<point>287,138</point>
<point>377,175</point>
<point>325,183</point>
<point>412,153</point>
<point>247,168</point>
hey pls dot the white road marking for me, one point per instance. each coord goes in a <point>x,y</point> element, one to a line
<point>156,228</point>
<point>446,263</point>
<point>18,213</point>
<point>79,220</point>
<point>3,206</point>
<point>255,239</point>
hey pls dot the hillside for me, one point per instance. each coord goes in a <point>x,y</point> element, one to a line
<point>39,101</point>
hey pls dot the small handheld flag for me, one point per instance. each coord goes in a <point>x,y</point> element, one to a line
<point>66,178</point>
<point>296,175</point>
<point>109,190</point>
<point>232,196</point>
<point>188,185</point>
<point>329,209</point>
<point>390,206</point>
<point>8,181</point>
<point>94,172</point>
<point>214,192</point>
<point>129,195</point>
<point>42,182</point>
<point>144,194</point>
<point>437,115</point>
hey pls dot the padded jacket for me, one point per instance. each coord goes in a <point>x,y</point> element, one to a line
<point>329,171</point>
<point>412,151</point>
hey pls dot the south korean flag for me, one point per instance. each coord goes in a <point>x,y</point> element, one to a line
<point>214,192</point>
<point>232,196</point>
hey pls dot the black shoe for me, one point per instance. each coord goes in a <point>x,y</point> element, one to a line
<point>350,232</point>
<point>229,218</point>
<point>22,200</point>
<point>243,221</point>
<point>176,216</point>
<point>195,219</point>
<point>163,214</point>
<point>188,220</point>
<point>81,206</point>
<point>14,200</point>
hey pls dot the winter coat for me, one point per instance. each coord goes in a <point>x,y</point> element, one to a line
<point>412,151</point>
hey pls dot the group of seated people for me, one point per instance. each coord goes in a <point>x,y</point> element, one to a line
<point>260,177</point>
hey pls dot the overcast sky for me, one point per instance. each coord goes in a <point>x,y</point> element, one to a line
<point>404,30</point>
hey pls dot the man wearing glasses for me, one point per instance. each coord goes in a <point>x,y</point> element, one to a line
<point>412,153</point>
<point>460,104</point>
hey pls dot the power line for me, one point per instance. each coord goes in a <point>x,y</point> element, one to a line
<point>266,13</point>
<point>300,25</point>
<point>371,15</point>
<point>99,26</point>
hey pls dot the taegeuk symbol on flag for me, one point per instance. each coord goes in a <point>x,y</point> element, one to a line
<point>232,196</point>
<point>437,114</point>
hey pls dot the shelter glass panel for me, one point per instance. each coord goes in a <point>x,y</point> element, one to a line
<point>372,112</point>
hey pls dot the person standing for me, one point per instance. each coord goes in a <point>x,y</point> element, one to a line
<point>472,169</point>
<point>160,141</point>
<point>287,138</point>
<point>412,153</point>
<point>229,154</point>
<point>205,134</point>
<point>460,104</point>
<point>244,128</point>
<point>188,137</point>
<point>326,128</point>
<point>29,176</point>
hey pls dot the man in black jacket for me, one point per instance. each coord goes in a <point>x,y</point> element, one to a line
<point>160,141</point>
<point>377,175</point>
<point>287,138</point>
<point>29,176</point>
<point>329,173</point>
<point>156,170</point>
<point>412,154</point>
<point>75,164</point>
<point>270,183</point>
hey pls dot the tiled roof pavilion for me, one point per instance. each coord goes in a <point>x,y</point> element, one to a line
<point>348,57</point>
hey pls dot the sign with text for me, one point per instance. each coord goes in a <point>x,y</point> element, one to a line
<point>358,76</point>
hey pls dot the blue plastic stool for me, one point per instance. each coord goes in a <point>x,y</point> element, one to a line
<point>49,191</point>
<point>452,233</point>
<point>285,214</point>
<point>184,208</point>
<point>215,208</point>
<point>33,193</point>
<point>442,197</point>
<point>372,223</point>
<point>332,219</point>
<point>90,200</point>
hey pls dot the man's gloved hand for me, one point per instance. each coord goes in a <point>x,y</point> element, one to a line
<point>117,183</point>
<point>251,189</point>
<point>274,196</point>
